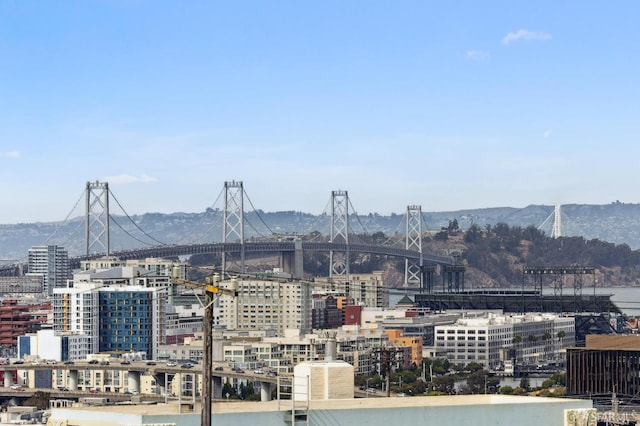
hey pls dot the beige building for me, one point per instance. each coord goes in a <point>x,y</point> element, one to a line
<point>261,304</point>
<point>364,289</point>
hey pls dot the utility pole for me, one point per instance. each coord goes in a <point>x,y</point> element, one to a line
<point>211,288</point>
<point>207,391</point>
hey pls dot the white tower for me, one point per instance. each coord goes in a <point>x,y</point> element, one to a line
<point>557,222</point>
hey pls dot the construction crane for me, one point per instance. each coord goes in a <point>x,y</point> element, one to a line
<point>212,290</point>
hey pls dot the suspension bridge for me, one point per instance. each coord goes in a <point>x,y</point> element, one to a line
<point>340,242</point>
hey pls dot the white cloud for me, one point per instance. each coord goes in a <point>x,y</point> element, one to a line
<point>525,35</point>
<point>10,154</point>
<point>129,179</point>
<point>477,55</point>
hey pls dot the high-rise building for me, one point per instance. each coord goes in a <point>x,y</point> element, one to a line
<point>76,310</point>
<point>131,319</point>
<point>119,309</point>
<point>52,262</point>
<point>263,304</point>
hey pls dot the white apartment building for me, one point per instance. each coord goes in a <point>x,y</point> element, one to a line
<point>117,309</point>
<point>490,339</point>
<point>77,310</point>
<point>52,262</point>
<point>265,305</point>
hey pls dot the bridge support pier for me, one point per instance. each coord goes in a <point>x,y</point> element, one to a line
<point>265,391</point>
<point>133,381</point>
<point>217,387</point>
<point>9,378</point>
<point>73,380</point>
<point>292,262</point>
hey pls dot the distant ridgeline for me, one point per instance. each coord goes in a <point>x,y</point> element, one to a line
<point>617,223</point>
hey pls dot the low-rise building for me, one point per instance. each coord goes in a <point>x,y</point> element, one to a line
<point>489,338</point>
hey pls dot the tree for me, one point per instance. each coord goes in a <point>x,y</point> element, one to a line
<point>506,390</point>
<point>524,382</point>
<point>477,381</point>
<point>442,236</point>
<point>444,384</point>
<point>227,389</point>
<point>440,366</point>
<point>39,399</point>
<point>474,366</point>
<point>473,234</point>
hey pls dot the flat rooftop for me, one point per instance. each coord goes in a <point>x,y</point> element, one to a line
<point>224,407</point>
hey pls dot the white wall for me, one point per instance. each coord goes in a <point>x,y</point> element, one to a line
<point>49,345</point>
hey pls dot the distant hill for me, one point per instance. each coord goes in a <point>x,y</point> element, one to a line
<point>617,223</point>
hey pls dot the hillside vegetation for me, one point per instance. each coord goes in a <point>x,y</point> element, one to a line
<point>495,256</point>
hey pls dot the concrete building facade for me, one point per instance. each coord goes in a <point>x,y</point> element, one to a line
<point>266,304</point>
<point>52,262</point>
<point>490,338</point>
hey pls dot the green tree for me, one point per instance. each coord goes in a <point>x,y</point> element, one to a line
<point>477,381</point>
<point>506,390</point>
<point>474,366</point>
<point>227,389</point>
<point>39,399</point>
<point>441,366</point>
<point>444,384</point>
<point>524,382</point>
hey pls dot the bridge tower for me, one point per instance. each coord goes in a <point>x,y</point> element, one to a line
<point>97,218</point>
<point>233,226</point>
<point>339,261</point>
<point>413,241</point>
<point>557,222</point>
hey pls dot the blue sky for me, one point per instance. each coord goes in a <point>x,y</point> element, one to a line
<point>449,105</point>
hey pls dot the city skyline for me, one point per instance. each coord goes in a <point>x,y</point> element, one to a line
<point>450,107</point>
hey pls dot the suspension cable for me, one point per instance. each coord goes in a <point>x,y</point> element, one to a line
<point>129,234</point>
<point>65,219</point>
<point>258,214</point>
<point>132,221</point>
<point>206,213</point>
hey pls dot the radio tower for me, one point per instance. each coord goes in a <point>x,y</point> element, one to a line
<point>339,261</point>
<point>97,225</point>
<point>413,241</point>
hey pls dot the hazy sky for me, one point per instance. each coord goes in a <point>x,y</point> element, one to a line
<point>449,105</point>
